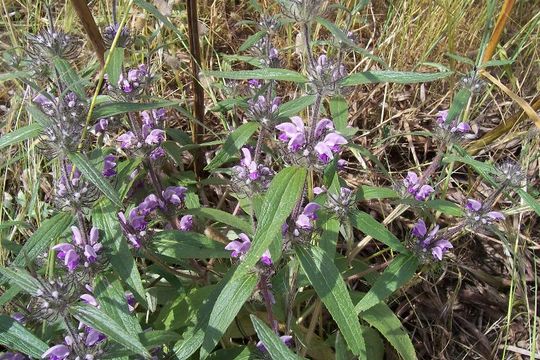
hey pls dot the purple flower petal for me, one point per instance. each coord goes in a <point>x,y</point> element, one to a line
<point>57,352</point>
<point>419,230</point>
<point>77,236</point>
<point>473,205</point>
<point>89,299</point>
<point>424,192</point>
<point>322,125</point>
<point>495,215</point>
<point>186,223</point>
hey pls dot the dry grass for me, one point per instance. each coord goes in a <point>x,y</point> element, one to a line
<point>483,303</point>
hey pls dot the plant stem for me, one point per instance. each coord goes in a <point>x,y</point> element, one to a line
<point>315,116</point>
<point>307,40</point>
<point>267,296</point>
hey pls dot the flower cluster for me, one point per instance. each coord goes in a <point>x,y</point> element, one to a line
<point>304,223</point>
<point>133,84</point>
<point>73,192</point>
<point>317,149</point>
<point>90,339</point>
<point>249,177</point>
<point>53,298</point>
<point>109,33</point>
<point>241,246</point>
<point>135,227</point>
<point>81,248</point>
<point>479,215</point>
<point>414,186</point>
<point>49,44</point>
<point>303,11</point>
<point>109,166</point>
<point>65,123</point>
<point>429,242</point>
<point>263,111</point>
<point>151,134</point>
<point>325,76</point>
<point>339,203</point>
<point>451,131</point>
<point>509,173</point>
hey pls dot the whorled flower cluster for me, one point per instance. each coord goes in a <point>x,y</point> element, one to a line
<point>414,186</point>
<point>428,245</point>
<point>248,177</point>
<point>241,246</point>
<point>451,131</point>
<point>83,250</point>
<point>132,85</point>
<point>73,192</point>
<point>325,76</point>
<point>151,135</point>
<point>47,45</point>
<point>479,215</point>
<point>314,151</point>
<point>263,111</point>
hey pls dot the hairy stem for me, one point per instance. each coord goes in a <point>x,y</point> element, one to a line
<point>267,297</point>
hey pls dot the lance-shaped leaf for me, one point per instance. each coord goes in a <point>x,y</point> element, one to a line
<point>369,226</point>
<point>399,272</point>
<point>21,278</point>
<point>263,74</point>
<point>294,107</point>
<point>222,217</point>
<point>21,134</point>
<point>114,67</point>
<point>107,109</point>
<point>396,77</point>
<point>97,319</point>
<point>327,282</point>
<point>185,245</point>
<point>234,142</point>
<point>15,337</point>
<point>276,348</point>
<point>82,163</point>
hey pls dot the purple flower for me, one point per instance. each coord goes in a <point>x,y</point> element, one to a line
<point>128,140</point>
<point>254,84</point>
<point>154,117</point>
<point>308,215</point>
<point>175,194</point>
<point>93,336</point>
<point>136,220</point>
<point>150,203</point>
<point>186,223</point>
<point>18,317</point>
<point>157,153</point>
<point>250,164</point>
<point>129,230</point>
<point>293,132</point>
<point>477,214</point>
<point>101,126</point>
<point>155,137</point>
<point>239,247</point>
<point>109,166</point>
<point>285,339</point>
<point>429,242</point>
<point>322,126</point>
<point>412,183</point>
<point>89,299</point>
<point>330,145</point>
<point>57,352</point>
<point>93,247</point>
<point>13,356</point>
<point>454,126</point>
<point>131,302</point>
<point>266,258</point>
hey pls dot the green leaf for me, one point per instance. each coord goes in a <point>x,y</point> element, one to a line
<point>114,67</point>
<point>294,107</point>
<point>21,134</point>
<point>263,74</point>
<point>369,226</point>
<point>177,313</point>
<point>276,348</point>
<point>21,278</point>
<point>50,230</point>
<point>458,104</point>
<point>327,282</point>
<point>330,232</point>
<point>340,112</point>
<point>185,245</point>
<point>38,115</point>
<point>105,218</point>
<point>222,217</point>
<point>396,77</point>
<point>444,206</point>
<point>107,109</point>
<point>99,320</point>
<point>398,273</point>
<point>70,77</point>
<point>234,142</point>
<point>366,192</point>
<point>82,163</point>
<point>13,75</point>
<point>112,301</point>
<point>251,40</point>
<point>15,337</point>
<point>383,319</point>
<point>532,202</point>
<point>283,193</point>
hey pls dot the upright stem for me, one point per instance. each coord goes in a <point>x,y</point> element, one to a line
<point>267,297</point>
<point>73,333</point>
<point>315,116</point>
<point>307,40</point>
<point>258,147</point>
<point>80,216</point>
<point>432,167</point>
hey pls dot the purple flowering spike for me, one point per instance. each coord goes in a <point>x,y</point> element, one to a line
<point>441,247</point>
<point>109,166</point>
<point>57,352</point>
<point>311,209</point>
<point>71,260</point>
<point>423,193</point>
<point>322,126</point>
<point>303,222</point>
<point>128,140</point>
<point>157,153</point>
<point>186,223</point>
<point>77,236</point>
<point>89,299</point>
<point>62,249</point>
<point>175,194</point>
<point>419,230</point>
<point>155,137</point>
<point>473,205</point>
<point>441,117</point>
<point>495,215</point>
<point>93,337</point>
<point>266,259</point>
